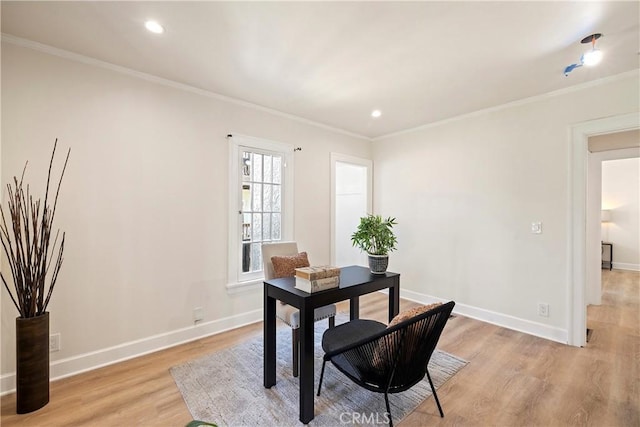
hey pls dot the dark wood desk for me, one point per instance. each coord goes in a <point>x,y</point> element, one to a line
<point>354,281</point>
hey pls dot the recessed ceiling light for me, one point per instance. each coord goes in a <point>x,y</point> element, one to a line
<point>592,57</point>
<point>376,113</point>
<point>154,27</point>
<point>589,58</point>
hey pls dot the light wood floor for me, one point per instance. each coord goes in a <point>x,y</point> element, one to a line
<point>512,379</point>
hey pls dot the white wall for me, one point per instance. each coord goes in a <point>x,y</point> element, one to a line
<point>621,195</point>
<point>144,203</point>
<point>466,191</point>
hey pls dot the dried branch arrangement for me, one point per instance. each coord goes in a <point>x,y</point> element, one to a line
<point>27,244</point>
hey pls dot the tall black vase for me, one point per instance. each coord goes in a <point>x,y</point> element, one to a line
<point>32,363</point>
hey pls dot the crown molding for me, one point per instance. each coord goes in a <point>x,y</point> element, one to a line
<point>517,103</point>
<point>72,56</point>
<point>41,47</point>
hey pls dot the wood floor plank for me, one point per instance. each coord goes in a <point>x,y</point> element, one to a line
<point>512,379</point>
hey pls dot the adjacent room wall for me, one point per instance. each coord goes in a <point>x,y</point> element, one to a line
<point>621,196</point>
<point>144,203</point>
<point>466,192</point>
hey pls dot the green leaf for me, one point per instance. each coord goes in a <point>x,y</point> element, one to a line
<point>374,235</point>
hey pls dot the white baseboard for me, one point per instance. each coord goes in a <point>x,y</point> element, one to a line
<point>626,266</point>
<point>96,359</point>
<point>89,361</point>
<point>504,320</point>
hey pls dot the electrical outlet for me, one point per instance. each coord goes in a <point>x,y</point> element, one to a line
<point>54,342</point>
<point>198,314</point>
<point>543,309</point>
<point>536,227</point>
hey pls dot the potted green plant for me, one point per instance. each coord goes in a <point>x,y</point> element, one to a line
<point>375,236</point>
<point>30,248</point>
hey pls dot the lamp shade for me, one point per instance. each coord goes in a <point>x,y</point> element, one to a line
<point>605,215</point>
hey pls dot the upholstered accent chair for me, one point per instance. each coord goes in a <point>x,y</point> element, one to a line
<point>387,359</point>
<point>288,314</point>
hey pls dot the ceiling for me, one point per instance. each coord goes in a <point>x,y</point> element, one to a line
<point>334,62</point>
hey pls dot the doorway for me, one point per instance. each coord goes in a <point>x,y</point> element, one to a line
<point>599,154</point>
<point>613,199</point>
<point>583,216</point>
<point>351,190</point>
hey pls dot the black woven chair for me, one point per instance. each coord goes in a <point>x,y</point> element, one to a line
<point>386,359</point>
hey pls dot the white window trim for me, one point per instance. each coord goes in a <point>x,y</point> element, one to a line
<point>235,282</point>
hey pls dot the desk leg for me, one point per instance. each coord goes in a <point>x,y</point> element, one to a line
<point>306,365</point>
<point>354,308</point>
<point>269,323</point>
<point>394,298</point>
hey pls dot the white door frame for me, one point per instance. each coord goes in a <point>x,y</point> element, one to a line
<point>337,157</point>
<point>578,243</point>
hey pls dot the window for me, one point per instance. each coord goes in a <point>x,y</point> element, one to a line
<point>260,203</point>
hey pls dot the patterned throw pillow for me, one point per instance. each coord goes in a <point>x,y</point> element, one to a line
<point>412,312</point>
<point>285,266</point>
<point>384,351</point>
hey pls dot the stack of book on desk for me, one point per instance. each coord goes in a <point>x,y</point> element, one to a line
<point>318,278</point>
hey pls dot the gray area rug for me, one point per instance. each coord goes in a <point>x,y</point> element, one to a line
<point>226,387</point>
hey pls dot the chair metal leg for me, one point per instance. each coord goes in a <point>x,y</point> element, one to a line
<point>324,362</point>
<point>332,322</point>
<point>435,395</point>
<point>295,342</point>
<point>386,401</point>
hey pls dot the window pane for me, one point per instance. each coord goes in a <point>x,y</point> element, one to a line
<point>246,197</point>
<point>276,203</point>
<point>266,227</point>
<point>245,165</point>
<point>267,198</point>
<point>277,170</point>
<point>256,257</point>
<point>246,257</point>
<point>257,167</point>
<point>246,231</point>
<point>257,197</point>
<point>276,227</point>
<point>257,227</point>
<point>268,177</point>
